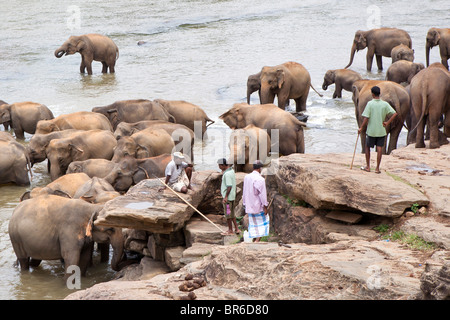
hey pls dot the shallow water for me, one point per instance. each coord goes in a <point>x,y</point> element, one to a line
<point>198,51</point>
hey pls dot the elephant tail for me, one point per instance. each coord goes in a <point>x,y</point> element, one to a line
<point>208,119</point>
<point>117,53</point>
<point>320,95</point>
<point>423,94</point>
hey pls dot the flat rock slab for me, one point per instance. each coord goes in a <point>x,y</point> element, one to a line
<point>328,183</point>
<point>343,216</point>
<point>144,207</point>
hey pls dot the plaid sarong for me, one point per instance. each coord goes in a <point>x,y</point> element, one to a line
<point>258,224</point>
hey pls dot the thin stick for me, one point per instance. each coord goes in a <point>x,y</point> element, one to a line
<point>354,151</point>
<point>189,204</point>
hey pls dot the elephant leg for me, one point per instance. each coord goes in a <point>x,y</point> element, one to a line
<point>34,263</point>
<point>337,91</point>
<point>300,103</point>
<point>420,143</point>
<point>393,138</point>
<point>379,62</point>
<point>104,251</point>
<point>105,67</point>
<point>369,58</point>
<point>82,66</point>
<point>86,257</point>
<point>112,68</point>
<point>24,263</point>
<point>434,133</point>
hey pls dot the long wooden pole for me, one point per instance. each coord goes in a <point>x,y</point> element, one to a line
<point>354,151</point>
<point>176,193</point>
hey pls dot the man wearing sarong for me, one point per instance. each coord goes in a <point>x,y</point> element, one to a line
<point>178,173</point>
<point>254,199</point>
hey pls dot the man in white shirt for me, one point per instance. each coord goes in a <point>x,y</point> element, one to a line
<point>178,173</point>
<point>254,199</point>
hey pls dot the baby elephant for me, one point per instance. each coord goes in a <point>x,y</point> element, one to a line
<point>342,78</point>
<point>403,71</point>
<point>91,47</point>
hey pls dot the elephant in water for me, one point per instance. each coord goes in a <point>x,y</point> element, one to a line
<point>91,47</point>
<point>441,38</point>
<point>379,42</point>
<point>402,52</point>
<point>24,116</point>
<point>82,120</point>
<point>289,80</point>
<point>14,162</point>
<point>403,71</point>
<point>343,80</point>
<point>50,227</point>
<point>253,84</point>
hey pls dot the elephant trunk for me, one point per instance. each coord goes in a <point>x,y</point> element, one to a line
<point>352,55</point>
<point>325,85</point>
<point>59,52</point>
<point>248,95</point>
<point>427,53</point>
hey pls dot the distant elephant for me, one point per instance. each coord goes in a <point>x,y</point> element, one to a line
<point>343,79</point>
<point>247,145</point>
<point>5,124</point>
<point>379,42</point>
<point>403,71</point>
<point>253,84</point>
<point>14,163</point>
<point>50,227</point>
<point>187,113</point>
<point>96,190</point>
<point>90,144</point>
<point>91,47</point>
<point>151,167</point>
<point>38,143</point>
<point>24,116</point>
<point>118,174</point>
<point>430,99</point>
<point>65,186</point>
<point>144,144</point>
<point>181,135</point>
<point>82,120</point>
<point>441,38</point>
<point>402,52</point>
<point>133,111</point>
<point>285,130</point>
<point>391,92</point>
<point>289,80</point>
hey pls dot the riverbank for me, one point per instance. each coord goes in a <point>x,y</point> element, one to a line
<point>336,231</point>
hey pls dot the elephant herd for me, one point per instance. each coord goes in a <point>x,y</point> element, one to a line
<point>419,95</point>
<point>94,156</point>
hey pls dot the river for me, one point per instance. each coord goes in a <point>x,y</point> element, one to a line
<point>198,51</point>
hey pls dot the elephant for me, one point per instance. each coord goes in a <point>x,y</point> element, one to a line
<point>24,116</point>
<point>430,99</point>
<point>14,163</point>
<point>151,167</point>
<point>343,80</point>
<point>38,142</point>
<point>176,130</point>
<point>81,120</point>
<point>144,144</point>
<point>274,120</point>
<point>391,92</point>
<point>187,113</point>
<point>289,80</point>
<point>441,38</point>
<point>402,52</point>
<point>96,190</point>
<point>379,42</point>
<point>117,174</point>
<point>402,71</point>
<point>133,111</point>
<point>89,144</point>
<point>92,47</point>
<point>254,84</point>
<point>5,124</point>
<point>50,227</point>
<point>6,136</point>
<point>248,145</point>
<point>65,186</point>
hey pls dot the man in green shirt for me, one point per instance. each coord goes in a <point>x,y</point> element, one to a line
<point>374,118</point>
<point>228,191</point>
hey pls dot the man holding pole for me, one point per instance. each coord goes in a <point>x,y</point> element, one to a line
<point>178,173</point>
<point>374,118</point>
<point>254,199</point>
<point>228,191</point>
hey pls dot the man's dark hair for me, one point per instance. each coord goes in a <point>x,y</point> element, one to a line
<point>223,161</point>
<point>257,164</point>
<point>376,90</point>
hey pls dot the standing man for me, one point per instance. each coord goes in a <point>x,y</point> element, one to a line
<point>228,191</point>
<point>178,173</point>
<point>374,118</point>
<point>254,198</point>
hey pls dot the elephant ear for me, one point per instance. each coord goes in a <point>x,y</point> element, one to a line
<point>90,224</point>
<point>142,152</point>
<point>74,147</point>
<point>280,78</point>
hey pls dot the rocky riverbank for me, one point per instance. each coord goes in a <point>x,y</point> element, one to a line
<point>333,234</point>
